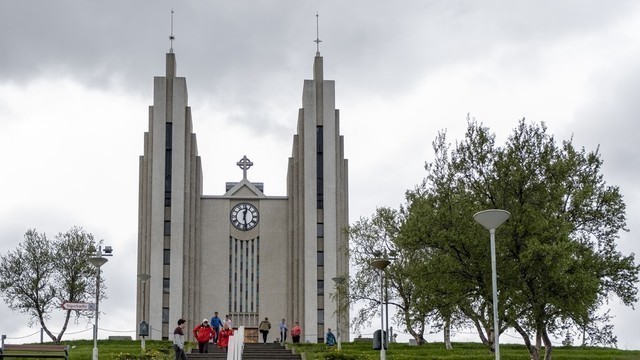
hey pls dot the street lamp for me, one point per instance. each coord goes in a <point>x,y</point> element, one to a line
<point>98,260</point>
<point>144,327</point>
<point>381,264</point>
<point>339,280</point>
<point>491,219</point>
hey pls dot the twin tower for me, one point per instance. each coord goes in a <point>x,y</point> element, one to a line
<point>272,256</point>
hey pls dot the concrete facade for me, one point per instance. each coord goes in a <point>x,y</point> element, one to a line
<point>272,256</point>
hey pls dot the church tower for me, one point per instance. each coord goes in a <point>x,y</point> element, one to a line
<point>242,253</point>
<point>318,205</point>
<point>170,189</point>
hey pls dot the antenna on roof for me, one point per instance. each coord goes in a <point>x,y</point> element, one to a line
<point>317,40</point>
<point>171,37</point>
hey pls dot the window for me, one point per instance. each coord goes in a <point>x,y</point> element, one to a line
<point>168,142</point>
<point>320,316</point>
<point>320,287</point>
<point>167,256</point>
<point>320,230</point>
<point>319,168</point>
<point>166,288</point>
<point>167,228</point>
<point>165,314</point>
<point>168,136</point>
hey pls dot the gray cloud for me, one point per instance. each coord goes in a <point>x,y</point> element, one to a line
<point>245,62</point>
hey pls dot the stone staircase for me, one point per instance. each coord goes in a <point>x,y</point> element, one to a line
<point>252,351</point>
<point>214,353</point>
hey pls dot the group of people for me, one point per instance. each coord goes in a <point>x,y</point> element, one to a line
<point>265,326</point>
<point>217,332</point>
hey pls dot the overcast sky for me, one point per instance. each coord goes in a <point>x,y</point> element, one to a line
<point>76,80</point>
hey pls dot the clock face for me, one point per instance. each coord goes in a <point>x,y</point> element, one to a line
<point>244,216</point>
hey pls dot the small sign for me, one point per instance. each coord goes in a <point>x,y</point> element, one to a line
<point>78,306</point>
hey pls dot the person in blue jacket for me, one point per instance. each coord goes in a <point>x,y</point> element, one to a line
<point>216,324</point>
<point>331,339</point>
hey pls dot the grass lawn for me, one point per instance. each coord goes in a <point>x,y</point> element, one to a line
<point>124,349</point>
<point>436,351</point>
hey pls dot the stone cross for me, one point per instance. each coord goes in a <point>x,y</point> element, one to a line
<point>244,164</point>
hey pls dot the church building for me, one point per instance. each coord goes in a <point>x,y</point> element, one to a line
<point>275,256</point>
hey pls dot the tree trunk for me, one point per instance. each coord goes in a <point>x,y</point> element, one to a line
<point>64,327</point>
<point>46,329</point>
<point>547,344</point>
<point>447,334</point>
<point>419,336</point>
<point>534,354</point>
<point>480,330</point>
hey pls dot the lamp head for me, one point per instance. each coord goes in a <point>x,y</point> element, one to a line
<point>380,264</point>
<point>491,218</point>
<point>98,261</point>
<point>339,279</point>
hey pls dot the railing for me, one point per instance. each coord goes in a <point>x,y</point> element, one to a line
<point>236,345</point>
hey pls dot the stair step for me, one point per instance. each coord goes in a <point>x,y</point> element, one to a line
<point>252,351</point>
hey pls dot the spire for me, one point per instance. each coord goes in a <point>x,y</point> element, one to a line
<point>171,37</point>
<point>171,57</point>
<point>317,62</point>
<point>317,40</point>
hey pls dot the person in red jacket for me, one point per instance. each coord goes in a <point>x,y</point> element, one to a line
<point>203,333</point>
<point>223,337</point>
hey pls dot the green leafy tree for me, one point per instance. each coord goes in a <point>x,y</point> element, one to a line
<point>41,274</point>
<point>557,257</point>
<point>452,263</point>
<point>375,238</point>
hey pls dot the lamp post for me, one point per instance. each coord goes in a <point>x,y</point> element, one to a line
<point>143,278</point>
<point>381,264</point>
<point>339,280</point>
<point>386,295</point>
<point>98,260</point>
<point>491,219</point>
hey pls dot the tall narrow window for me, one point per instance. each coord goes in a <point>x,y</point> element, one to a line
<point>168,142</point>
<point>167,228</point>
<point>167,257</point>
<point>319,168</point>
<point>165,315</point>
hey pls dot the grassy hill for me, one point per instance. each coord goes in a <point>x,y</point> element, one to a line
<point>467,351</point>
<point>124,350</point>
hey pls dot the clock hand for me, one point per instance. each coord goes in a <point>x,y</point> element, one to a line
<point>244,218</point>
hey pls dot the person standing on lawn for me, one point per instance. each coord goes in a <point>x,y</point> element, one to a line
<point>331,339</point>
<point>296,330</point>
<point>178,340</point>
